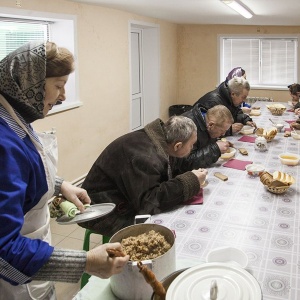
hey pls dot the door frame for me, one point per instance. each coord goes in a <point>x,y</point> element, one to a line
<point>151,70</point>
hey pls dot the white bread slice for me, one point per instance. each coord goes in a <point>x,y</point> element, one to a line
<point>289,179</point>
<point>283,177</point>
<point>277,175</point>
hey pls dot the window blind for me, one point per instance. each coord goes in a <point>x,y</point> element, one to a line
<point>267,62</point>
<point>14,33</point>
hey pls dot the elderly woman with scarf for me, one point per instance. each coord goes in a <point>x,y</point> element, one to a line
<point>32,81</point>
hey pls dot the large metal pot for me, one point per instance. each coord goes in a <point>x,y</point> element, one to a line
<point>130,284</point>
<point>211,281</point>
<point>166,282</point>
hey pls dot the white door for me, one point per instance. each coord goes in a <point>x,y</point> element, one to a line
<point>137,101</point>
<point>145,74</point>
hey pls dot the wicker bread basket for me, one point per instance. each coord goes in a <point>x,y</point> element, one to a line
<point>273,184</point>
<point>267,134</point>
<point>277,190</point>
<point>276,109</point>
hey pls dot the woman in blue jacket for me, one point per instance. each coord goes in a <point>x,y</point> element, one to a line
<point>32,81</point>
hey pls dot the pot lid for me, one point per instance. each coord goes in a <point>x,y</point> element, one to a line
<point>232,283</point>
<point>92,212</point>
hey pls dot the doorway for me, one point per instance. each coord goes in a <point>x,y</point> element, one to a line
<point>144,74</point>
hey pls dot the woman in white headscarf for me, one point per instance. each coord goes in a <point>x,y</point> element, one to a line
<point>32,81</point>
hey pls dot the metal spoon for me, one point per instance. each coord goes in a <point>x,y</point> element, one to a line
<point>272,122</point>
<point>255,129</point>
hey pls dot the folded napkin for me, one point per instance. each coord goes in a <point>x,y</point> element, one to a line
<point>290,110</point>
<point>287,129</point>
<point>290,121</point>
<point>197,199</point>
<point>247,138</point>
<point>237,164</point>
<point>59,207</point>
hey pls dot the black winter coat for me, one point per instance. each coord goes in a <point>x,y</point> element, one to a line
<point>205,151</point>
<point>221,95</point>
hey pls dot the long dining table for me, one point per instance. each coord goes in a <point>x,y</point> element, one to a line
<point>240,212</point>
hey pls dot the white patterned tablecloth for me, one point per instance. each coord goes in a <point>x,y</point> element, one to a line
<point>240,212</point>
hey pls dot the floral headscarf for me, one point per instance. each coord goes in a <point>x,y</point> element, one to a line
<point>22,80</point>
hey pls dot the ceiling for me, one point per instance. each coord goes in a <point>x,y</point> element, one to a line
<point>266,12</point>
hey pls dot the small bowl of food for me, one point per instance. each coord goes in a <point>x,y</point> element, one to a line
<point>289,159</point>
<point>254,169</point>
<point>247,129</point>
<point>279,126</point>
<point>255,112</point>
<point>229,154</point>
<point>295,134</point>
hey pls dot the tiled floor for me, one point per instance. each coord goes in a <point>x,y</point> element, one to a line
<point>71,237</point>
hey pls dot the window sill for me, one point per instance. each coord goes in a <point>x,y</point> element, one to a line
<point>64,107</point>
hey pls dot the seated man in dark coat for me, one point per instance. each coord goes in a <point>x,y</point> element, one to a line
<point>134,172</point>
<point>232,96</point>
<point>211,124</point>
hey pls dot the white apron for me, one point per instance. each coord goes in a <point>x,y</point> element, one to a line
<point>37,220</point>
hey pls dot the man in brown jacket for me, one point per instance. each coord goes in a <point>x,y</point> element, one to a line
<point>134,172</point>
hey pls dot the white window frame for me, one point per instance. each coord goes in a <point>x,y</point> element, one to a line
<point>63,33</point>
<point>223,73</point>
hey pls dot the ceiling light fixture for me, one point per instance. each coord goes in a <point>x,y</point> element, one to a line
<point>238,7</point>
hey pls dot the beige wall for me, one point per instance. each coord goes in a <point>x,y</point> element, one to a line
<point>188,69</point>
<point>198,59</point>
<point>104,83</point>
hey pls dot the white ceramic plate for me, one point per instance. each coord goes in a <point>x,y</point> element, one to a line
<point>234,283</point>
<point>92,212</point>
